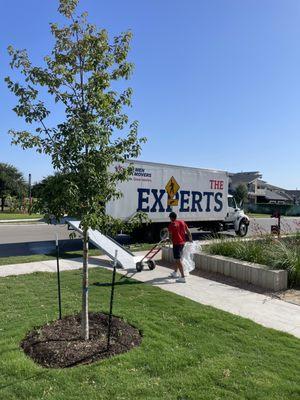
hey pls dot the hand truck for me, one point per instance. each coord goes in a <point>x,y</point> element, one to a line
<point>148,258</point>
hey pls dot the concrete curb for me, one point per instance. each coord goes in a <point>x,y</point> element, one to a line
<point>15,221</point>
<point>259,275</point>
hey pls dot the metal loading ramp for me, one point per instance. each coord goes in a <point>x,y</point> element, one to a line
<point>107,245</point>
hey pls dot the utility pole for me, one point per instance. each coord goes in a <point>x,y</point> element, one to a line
<point>29,189</point>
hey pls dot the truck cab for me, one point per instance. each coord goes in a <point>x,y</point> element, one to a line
<point>236,218</point>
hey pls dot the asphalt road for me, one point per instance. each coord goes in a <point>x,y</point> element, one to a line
<point>19,233</point>
<point>25,239</point>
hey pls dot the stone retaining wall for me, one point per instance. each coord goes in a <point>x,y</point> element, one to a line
<point>243,271</point>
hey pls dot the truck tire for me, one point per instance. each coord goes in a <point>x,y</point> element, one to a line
<point>123,239</point>
<point>216,228</point>
<point>164,233</point>
<point>152,234</point>
<point>243,229</point>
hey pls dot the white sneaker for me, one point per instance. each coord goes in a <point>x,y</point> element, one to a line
<point>181,280</point>
<point>174,275</point>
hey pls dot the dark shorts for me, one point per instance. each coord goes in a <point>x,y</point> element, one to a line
<point>177,251</point>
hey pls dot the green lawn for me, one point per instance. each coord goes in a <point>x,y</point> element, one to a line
<point>44,257</point>
<point>250,215</point>
<point>9,216</point>
<point>67,254</point>
<point>189,351</point>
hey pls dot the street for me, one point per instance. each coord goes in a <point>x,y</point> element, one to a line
<point>263,225</point>
<point>19,233</point>
<point>26,239</point>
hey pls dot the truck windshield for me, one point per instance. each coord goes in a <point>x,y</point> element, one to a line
<point>231,202</point>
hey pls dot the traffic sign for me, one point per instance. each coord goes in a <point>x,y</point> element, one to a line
<point>172,188</point>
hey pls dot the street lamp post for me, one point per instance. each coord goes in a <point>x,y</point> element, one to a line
<point>29,190</point>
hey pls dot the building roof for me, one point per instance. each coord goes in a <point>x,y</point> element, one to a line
<point>270,195</point>
<point>276,189</point>
<point>244,177</point>
<point>294,193</point>
<point>268,185</point>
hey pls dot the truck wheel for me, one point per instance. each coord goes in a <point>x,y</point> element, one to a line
<point>152,233</point>
<point>139,266</point>
<point>164,233</point>
<point>243,229</point>
<point>215,228</point>
<point>151,264</point>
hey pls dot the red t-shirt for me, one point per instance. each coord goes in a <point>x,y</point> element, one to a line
<point>178,229</point>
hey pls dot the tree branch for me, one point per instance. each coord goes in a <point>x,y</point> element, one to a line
<point>46,130</point>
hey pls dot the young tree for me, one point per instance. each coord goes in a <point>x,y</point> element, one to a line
<point>241,193</point>
<point>81,75</point>
<point>12,182</point>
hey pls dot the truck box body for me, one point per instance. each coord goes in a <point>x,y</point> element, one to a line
<point>157,189</point>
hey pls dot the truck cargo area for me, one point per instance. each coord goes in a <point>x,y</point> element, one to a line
<point>198,196</point>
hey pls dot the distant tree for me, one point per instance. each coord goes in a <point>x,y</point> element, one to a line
<point>82,75</point>
<point>241,193</point>
<point>12,183</point>
<point>35,189</point>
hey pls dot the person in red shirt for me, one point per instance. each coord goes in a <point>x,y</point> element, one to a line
<point>178,230</point>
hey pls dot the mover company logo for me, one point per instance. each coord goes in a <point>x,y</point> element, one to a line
<point>138,173</point>
<point>162,200</point>
<point>141,172</point>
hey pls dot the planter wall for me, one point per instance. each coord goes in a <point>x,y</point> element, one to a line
<point>256,274</point>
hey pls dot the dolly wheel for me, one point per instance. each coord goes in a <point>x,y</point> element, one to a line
<point>139,266</point>
<point>151,264</point>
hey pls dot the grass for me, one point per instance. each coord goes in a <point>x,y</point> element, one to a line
<point>253,215</point>
<point>141,247</point>
<point>189,351</point>
<point>68,254</point>
<point>44,257</point>
<point>276,253</point>
<point>10,216</point>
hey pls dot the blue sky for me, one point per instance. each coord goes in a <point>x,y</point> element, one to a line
<point>216,82</point>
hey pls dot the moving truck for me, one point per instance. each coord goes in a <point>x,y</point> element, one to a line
<point>198,196</point>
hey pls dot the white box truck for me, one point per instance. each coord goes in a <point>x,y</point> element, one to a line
<point>198,196</point>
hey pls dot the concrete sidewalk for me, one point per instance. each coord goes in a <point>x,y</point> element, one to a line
<point>263,309</point>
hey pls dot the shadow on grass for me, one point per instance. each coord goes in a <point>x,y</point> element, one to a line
<point>38,374</point>
<point>119,283</point>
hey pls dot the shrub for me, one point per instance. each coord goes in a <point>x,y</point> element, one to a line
<point>283,253</point>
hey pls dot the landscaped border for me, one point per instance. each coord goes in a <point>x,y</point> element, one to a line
<point>257,274</point>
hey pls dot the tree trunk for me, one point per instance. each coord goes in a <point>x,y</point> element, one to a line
<point>85,289</point>
<point>2,203</point>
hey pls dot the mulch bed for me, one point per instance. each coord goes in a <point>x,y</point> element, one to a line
<point>59,344</point>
